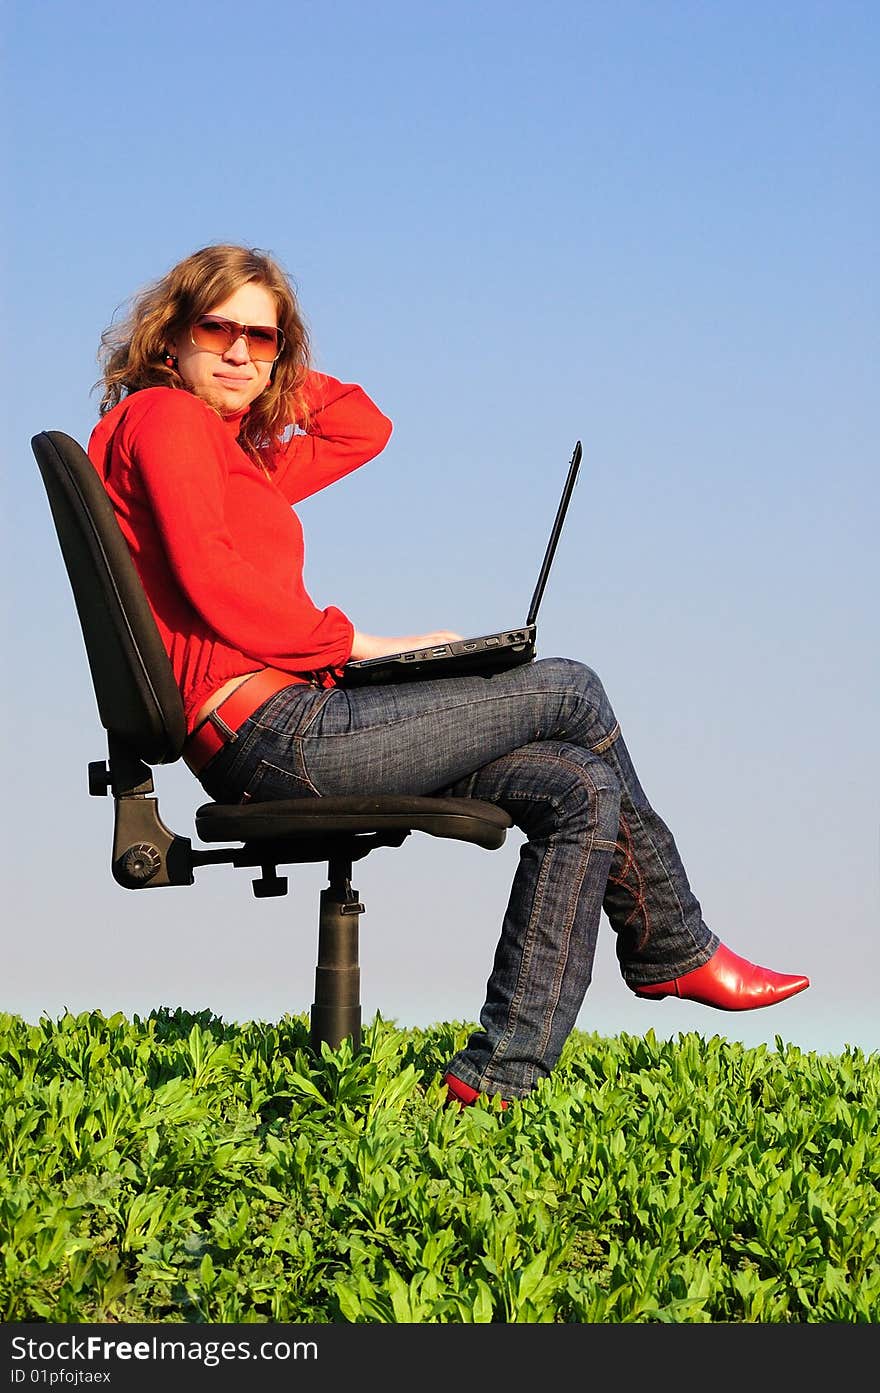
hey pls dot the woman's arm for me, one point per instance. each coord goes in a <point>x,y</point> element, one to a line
<point>374,646</point>
<point>344,430</point>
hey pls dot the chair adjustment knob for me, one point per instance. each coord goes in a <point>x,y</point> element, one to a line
<point>139,863</point>
<point>99,778</point>
<point>269,883</point>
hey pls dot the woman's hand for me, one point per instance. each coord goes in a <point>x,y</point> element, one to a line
<point>375,646</point>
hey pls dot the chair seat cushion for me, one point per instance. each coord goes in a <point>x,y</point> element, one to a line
<point>464,819</point>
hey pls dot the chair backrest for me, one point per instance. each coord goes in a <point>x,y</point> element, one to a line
<point>138,698</point>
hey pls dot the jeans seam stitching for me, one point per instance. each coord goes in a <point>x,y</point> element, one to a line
<point>670,881</point>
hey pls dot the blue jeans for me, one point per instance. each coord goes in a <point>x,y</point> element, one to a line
<point>541,741</point>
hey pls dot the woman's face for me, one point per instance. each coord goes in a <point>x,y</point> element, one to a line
<point>231,380</point>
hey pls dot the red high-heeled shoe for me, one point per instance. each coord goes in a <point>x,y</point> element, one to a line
<point>729,983</point>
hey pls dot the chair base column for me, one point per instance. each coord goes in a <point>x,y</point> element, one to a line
<point>336,1009</point>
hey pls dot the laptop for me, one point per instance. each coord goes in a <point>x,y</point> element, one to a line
<point>469,656</point>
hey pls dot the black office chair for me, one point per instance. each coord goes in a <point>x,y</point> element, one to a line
<point>141,711</point>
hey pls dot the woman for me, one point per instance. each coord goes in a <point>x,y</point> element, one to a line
<point>212,425</point>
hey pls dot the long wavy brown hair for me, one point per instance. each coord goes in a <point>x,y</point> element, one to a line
<point>133,350</point>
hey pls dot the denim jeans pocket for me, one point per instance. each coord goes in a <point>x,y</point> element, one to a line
<point>291,712</point>
<point>269,783</point>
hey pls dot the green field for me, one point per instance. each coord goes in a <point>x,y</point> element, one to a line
<point>181,1169</point>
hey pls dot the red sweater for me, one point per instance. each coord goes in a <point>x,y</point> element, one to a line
<point>216,542</point>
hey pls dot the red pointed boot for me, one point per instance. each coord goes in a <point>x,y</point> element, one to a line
<point>457,1091</point>
<point>729,983</point>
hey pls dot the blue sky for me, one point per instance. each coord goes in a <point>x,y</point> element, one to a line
<point>648,226</point>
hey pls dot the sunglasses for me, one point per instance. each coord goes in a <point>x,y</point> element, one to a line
<point>218,335</point>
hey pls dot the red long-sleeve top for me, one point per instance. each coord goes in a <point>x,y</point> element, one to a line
<point>214,538</point>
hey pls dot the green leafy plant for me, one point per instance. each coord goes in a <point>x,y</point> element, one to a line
<point>181,1169</point>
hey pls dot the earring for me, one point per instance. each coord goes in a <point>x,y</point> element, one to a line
<point>170,361</point>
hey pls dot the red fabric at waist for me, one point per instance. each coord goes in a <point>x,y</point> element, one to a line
<point>220,726</point>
